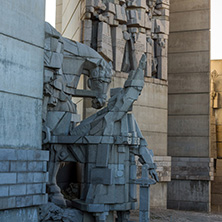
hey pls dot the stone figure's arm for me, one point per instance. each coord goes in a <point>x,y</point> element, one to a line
<point>145,155</point>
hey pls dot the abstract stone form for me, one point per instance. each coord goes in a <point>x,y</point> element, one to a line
<point>106,143</point>
<point>122,31</point>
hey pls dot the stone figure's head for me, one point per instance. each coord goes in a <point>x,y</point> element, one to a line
<point>99,80</point>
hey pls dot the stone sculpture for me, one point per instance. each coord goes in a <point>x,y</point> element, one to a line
<point>121,31</point>
<point>65,61</point>
<point>106,143</point>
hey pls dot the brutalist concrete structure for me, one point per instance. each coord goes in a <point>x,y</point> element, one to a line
<point>23,163</point>
<point>109,27</point>
<point>189,106</point>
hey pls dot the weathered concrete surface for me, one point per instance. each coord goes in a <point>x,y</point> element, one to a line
<point>192,62</point>
<point>189,83</point>
<point>188,125</point>
<point>29,17</point>
<point>186,194</point>
<point>188,146</point>
<point>21,67</point>
<point>189,41</point>
<point>161,215</point>
<point>188,5</point>
<point>189,104</point>
<point>20,121</point>
<point>21,73</point>
<point>189,20</point>
<point>20,215</point>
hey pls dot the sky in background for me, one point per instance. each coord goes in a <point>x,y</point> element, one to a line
<point>216,27</point>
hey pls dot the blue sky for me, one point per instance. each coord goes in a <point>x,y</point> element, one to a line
<point>216,21</point>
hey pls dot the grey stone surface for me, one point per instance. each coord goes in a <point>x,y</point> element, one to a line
<point>189,62</point>
<point>188,195</point>
<point>19,72</point>
<point>189,41</point>
<point>7,178</point>
<point>189,146</point>
<point>23,20</point>
<point>14,121</point>
<point>189,125</point>
<point>20,215</point>
<point>189,83</point>
<point>189,104</point>
<point>51,212</point>
<point>188,5</point>
<point>189,111</point>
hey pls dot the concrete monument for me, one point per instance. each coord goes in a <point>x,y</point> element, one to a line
<point>106,143</point>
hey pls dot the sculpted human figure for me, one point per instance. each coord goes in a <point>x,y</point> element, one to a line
<point>65,61</point>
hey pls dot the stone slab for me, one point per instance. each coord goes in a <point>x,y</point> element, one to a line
<point>158,195</point>
<point>189,41</point>
<point>156,142</point>
<point>189,83</point>
<point>189,62</point>
<point>189,104</point>
<point>29,17</point>
<point>188,5</point>
<point>188,125</point>
<point>188,146</point>
<point>157,118</point>
<point>24,214</point>
<point>21,68</point>
<point>188,206</point>
<point>153,95</point>
<point>190,20</point>
<point>21,119</point>
<point>186,190</point>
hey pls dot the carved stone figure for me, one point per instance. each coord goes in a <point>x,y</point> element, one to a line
<point>106,143</point>
<point>122,31</point>
<point>65,61</point>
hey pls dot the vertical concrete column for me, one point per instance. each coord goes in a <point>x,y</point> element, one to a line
<point>23,164</point>
<point>189,104</point>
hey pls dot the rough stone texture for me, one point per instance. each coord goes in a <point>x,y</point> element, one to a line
<point>23,173</point>
<point>154,95</point>
<point>51,212</point>
<point>20,215</point>
<point>21,73</point>
<point>189,105</point>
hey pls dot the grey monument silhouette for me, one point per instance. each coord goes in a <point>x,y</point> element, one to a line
<point>107,143</point>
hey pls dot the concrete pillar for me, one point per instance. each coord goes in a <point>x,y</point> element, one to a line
<point>23,173</point>
<point>188,104</point>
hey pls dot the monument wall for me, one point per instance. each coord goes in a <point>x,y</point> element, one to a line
<point>216,133</point>
<point>189,106</point>
<point>151,109</point>
<point>23,172</point>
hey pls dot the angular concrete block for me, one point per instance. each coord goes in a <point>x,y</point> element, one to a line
<point>157,142</point>
<point>190,20</point>
<point>188,5</point>
<point>188,125</point>
<point>25,124</point>
<point>7,178</point>
<point>17,190</point>
<point>158,195</point>
<point>21,67</point>
<point>29,17</point>
<point>153,95</point>
<point>188,191</point>
<point>189,104</point>
<point>188,146</point>
<point>157,119</point>
<point>25,214</point>
<point>189,62</point>
<point>189,83</point>
<point>189,41</point>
